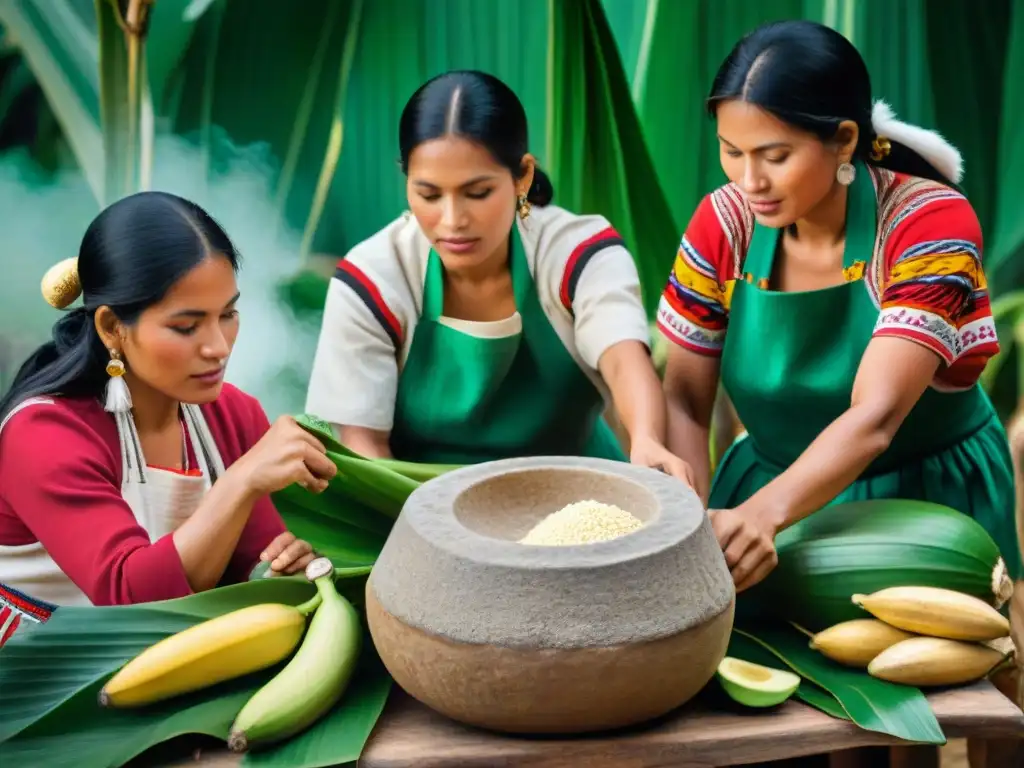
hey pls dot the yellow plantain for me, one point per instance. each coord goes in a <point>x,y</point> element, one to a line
<point>855,643</point>
<point>210,652</point>
<point>935,612</point>
<point>934,661</point>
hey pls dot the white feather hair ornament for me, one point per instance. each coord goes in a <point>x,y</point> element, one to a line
<point>930,145</point>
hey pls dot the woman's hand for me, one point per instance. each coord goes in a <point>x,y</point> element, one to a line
<point>285,454</point>
<point>647,452</point>
<point>287,554</point>
<point>748,541</point>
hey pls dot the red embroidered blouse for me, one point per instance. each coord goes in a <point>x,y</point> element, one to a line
<point>925,275</point>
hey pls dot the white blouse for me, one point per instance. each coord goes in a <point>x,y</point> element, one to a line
<point>585,278</point>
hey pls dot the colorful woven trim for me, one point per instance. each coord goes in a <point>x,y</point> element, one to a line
<point>15,606</point>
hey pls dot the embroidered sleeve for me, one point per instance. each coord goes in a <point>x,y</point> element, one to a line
<point>17,609</point>
<point>354,380</point>
<point>694,308</point>
<point>934,290</point>
<point>600,287</point>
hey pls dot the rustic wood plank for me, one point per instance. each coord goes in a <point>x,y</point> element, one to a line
<point>409,735</point>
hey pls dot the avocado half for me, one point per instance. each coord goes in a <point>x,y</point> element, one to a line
<point>754,685</point>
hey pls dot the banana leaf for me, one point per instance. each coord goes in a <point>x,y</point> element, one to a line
<point>599,159</point>
<point>51,676</point>
<point>1005,258</point>
<point>743,647</point>
<point>124,103</point>
<point>58,40</point>
<point>873,704</point>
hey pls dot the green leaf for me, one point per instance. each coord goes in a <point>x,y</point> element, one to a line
<point>51,676</point>
<point>594,134</point>
<point>873,704</point>
<point>58,40</point>
<point>172,24</point>
<point>124,104</point>
<point>92,643</point>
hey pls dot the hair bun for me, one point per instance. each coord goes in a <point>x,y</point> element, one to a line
<point>60,284</point>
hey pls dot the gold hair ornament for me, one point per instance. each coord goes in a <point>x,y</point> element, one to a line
<point>880,148</point>
<point>60,284</point>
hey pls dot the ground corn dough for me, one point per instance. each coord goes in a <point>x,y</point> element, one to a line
<point>582,522</point>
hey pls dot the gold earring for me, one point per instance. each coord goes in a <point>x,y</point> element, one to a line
<point>115,367</point>
<point>523,206</point>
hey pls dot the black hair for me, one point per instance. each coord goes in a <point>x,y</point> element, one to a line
<point>133,252</point>
<point>476,106</point>
<point>812,77</point>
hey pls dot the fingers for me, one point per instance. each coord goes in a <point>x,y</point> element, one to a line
<point>277,546</point>
<point>291,554</point>
<point>726,525</point>
<point>307,479</point>
<point>291,429</point>
<point>319,464</point>
<point>746,576</point>
<point>300,565</point>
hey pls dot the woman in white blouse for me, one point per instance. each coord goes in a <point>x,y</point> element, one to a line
<point>488,323</point>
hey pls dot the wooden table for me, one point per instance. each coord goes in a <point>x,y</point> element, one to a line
<point>409,735</point>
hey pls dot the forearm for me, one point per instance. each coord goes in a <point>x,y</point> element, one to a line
<point>207,540</point>
<point>371,443</point>
<point>689,438</point>
<point>827,466</point>
<point>636,392</point>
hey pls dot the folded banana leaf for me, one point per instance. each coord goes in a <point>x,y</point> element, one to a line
<point>51,675</point>
<point>873,704</point>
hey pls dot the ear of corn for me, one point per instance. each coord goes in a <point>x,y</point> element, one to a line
<point>935,612</point>
<point>934,661</point>
<point>866,546</point>
<point>855,643</point>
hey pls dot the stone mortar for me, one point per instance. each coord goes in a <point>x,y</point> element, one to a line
<point>452,566</point>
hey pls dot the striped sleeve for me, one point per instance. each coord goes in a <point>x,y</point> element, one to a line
<point>694,308</point>
<point>598,285</point>
<point>935,292</point>
<point>17,609</point>
<point>354,379</point>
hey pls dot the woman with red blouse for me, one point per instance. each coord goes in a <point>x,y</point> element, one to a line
<point>835,288</point>
<point>129,471</point>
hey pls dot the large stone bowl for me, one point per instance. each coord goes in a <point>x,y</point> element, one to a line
<point>538,639</point>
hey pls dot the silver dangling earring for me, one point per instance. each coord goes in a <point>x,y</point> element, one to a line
<point>845,174</point>
<point>118,397</point>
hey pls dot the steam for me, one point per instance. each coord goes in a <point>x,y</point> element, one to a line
<point>44,220</point>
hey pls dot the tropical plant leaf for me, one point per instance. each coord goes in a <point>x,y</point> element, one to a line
<point>58,40</point>
<point>873,704</point>
<point>92,643</point>
<point>126,111</point>
<point>598,157</point>
<point>51,676</point>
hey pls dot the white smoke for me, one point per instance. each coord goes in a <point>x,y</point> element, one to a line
<point>43,222</point>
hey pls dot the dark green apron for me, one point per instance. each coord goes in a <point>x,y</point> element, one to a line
<point>789,364</point>
<point>464,399</point>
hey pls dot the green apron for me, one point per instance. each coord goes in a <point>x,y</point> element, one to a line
<point>464,399</point>
<point>789,364</point>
